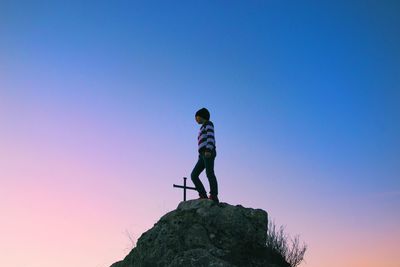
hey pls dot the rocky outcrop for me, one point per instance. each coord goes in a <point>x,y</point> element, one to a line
<point>202,233</point>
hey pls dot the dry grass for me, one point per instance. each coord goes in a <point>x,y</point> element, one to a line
<point>281,243</point>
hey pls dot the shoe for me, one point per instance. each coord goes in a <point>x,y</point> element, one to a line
<point>203,197</point>
<point>214,198</point>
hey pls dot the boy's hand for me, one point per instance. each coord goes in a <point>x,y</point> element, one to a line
<point>207,154</point>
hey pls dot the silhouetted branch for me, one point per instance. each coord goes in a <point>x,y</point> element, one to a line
<point>277,240</point>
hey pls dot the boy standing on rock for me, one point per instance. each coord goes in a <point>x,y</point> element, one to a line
<point>207,153</point>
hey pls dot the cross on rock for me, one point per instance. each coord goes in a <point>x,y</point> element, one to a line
<point>184,188</point>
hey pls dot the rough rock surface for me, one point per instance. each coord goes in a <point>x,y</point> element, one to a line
<point>201,233</point>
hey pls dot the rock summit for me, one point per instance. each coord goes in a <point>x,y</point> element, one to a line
<point>202,233</point>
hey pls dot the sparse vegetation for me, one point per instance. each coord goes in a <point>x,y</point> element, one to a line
<point>132,241</point>
<point>281,243</point>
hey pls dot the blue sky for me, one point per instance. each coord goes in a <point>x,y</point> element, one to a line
<point>304,96</point>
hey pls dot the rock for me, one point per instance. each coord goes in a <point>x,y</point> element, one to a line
<point>202,233</point>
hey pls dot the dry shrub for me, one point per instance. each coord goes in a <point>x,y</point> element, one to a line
<point>281,243</point>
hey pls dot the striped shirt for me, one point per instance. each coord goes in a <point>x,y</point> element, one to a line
<point>206,137</point>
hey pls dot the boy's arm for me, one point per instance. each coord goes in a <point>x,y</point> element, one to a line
<point>210,138</point>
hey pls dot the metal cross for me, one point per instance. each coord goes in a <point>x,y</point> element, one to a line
<point>184,188</point>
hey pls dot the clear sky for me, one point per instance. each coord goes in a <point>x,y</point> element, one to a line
<point>97,104</point>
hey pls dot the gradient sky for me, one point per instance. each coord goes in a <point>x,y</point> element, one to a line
<point>97,104</point>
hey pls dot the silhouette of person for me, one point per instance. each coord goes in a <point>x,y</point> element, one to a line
<point>207,153</point>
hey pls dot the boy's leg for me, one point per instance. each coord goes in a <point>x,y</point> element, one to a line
<point>198,168</point>
<point>209,165</point>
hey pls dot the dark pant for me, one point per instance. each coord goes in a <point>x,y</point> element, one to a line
<point>208,164</point>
